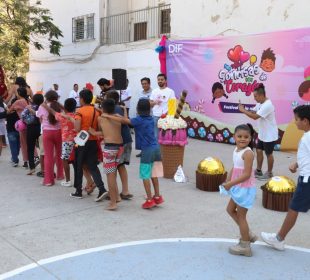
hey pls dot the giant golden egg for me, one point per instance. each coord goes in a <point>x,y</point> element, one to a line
<point>280,184</point>
<point>211,166</point>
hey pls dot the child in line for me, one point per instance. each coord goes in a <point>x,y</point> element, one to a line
<point>67,134</point>
<point>127,143</point>
<point>19,106</point>
<point>301,198</point>
<point>240,185</point>
<point>13,136</point>
<point>33,129</point>
<point>87,155</point>
<point>51,139</point>
<point>2,122</point>
<point>113,148</point>
<point>150,162</point>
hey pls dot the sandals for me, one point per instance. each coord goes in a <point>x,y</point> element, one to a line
<point>31,172</point>
<point>90,188</point>
<point>126,196</point>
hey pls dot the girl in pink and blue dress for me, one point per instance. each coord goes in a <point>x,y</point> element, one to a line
<point>240,186</point>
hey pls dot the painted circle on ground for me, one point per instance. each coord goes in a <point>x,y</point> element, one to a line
<point>185,258</point>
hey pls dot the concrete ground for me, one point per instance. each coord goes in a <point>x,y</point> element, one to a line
<point>38,222</point>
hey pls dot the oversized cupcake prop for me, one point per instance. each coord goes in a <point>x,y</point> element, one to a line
<point>172,136</point>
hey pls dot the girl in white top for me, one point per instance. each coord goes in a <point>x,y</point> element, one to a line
<point>240,185</point>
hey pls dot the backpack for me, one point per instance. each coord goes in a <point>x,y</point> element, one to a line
<point>27,117</point>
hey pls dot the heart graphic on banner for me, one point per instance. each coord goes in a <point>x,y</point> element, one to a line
<point>244,56</point>
<point>234,54</point>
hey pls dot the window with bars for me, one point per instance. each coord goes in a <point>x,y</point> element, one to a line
<point>140,31</point>
<point>83,28</point>
<point>165,21</point>
<point>136,25</point>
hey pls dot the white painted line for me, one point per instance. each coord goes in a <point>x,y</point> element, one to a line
<point>126,244</point>
<point>18,271</point>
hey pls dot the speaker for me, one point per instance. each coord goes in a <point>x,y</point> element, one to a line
<point>119,76</point>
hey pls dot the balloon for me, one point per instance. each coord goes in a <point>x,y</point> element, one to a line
<point>244,57</point>
<point>227,67</point>
<point>253,59</point>
<point>307,73</point>
<point>234,54</point>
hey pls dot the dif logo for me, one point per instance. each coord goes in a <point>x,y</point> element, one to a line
<point>175,48</point>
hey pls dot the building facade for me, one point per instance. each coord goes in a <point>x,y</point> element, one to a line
<point>100,35</point>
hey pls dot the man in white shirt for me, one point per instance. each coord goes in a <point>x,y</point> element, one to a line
<point>159,100</point>
<point>126,96</point>
<point>301,198</point>
<point>264,112</point>
<point>75,94</point>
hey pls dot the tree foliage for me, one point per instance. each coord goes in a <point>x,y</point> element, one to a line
<point>22,24</point>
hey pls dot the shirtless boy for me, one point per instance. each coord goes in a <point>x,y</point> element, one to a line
<point>113,149</point>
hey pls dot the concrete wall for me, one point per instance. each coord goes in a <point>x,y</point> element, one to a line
<point>87,62</point>
<point>203,18</point>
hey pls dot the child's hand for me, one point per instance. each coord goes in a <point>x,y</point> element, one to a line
<point>91,131</point>
<point>105,115</point>
<point>226,186</point>
<point>293,167</point>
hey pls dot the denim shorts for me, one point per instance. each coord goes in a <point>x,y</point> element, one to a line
<point>301,198</point>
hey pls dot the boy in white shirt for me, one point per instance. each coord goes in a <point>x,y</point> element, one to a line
<point>264,113</point>
<point>159,100</point>
<point>301,199</point>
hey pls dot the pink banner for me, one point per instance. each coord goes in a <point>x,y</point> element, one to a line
<point>219,72</point>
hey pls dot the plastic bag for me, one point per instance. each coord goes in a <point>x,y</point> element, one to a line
<point>179,176</point>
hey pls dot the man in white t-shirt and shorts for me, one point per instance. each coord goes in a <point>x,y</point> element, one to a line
<point>264,113</point>
<point>159,100</point>
<point>74,93</point>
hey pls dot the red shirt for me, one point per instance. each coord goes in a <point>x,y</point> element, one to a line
<point>67,127</point>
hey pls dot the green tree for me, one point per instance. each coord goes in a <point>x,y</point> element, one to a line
<point>21,24</point>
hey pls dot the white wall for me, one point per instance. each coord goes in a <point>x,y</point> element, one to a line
<point>203,18</point>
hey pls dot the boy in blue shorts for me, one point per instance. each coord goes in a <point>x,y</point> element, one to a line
<point>150,162</point>
<point>301,199</point>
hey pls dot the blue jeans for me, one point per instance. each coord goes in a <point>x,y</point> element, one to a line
<point>14,143</point>
<point>155,126</point>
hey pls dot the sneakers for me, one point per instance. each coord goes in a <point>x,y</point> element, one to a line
<point>148,204</point>
<point>77,194</point>
<point>40,174</point>
<point>243,248</point>
<point>14,164</point>
<point>25,165</point>
<point>66,184</point>
<point>258,173</point>
<point>158,199</point>
<point>36,161</point>
<point>265,176</point>
<point>101,195</point>
<point>138,155</point>
<point>272,240</point>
